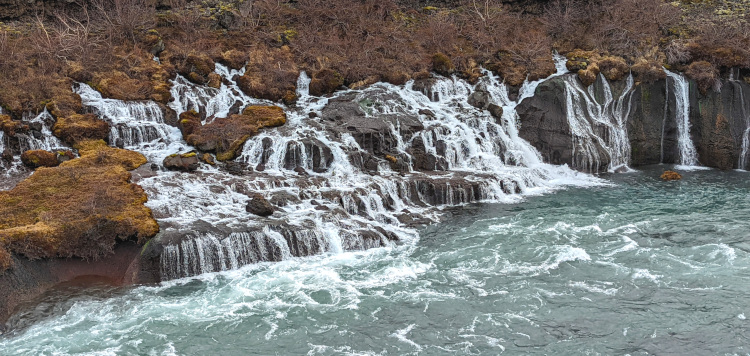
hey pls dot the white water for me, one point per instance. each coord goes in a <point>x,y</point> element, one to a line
<point>745,112</point>
<point>598,127</point>
<point>339,206</point>
<point>688,156</point>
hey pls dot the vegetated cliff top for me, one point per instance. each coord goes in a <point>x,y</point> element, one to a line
<point>110,44</point>
<point>78,209</point>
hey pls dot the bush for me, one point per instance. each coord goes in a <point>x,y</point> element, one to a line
<point>325,81</point>
<point>705,74</point>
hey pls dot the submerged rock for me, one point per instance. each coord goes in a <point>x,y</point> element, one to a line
<point>258,205</point>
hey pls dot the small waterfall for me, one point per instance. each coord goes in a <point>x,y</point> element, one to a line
<point>681,89</point>
<point>745,112</point>
<point>598,128</point>
<point>210,102</point>
<point>137,126</point>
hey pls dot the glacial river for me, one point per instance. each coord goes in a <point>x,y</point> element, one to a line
<point>639,267</point>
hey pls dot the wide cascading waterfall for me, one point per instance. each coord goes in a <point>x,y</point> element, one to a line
<point>681,90</point>
<point>352,171</point>
<point>598,126</point>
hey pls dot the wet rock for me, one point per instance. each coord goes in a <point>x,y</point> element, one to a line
<point>426,112</point>
<point>425,86</point>
<point>186,162</point>
<point>309,150</point>
<point>236,168</point>
<point>258,205</point>
<point>479,99</point>
<point>119,143</point>
<point>260,167</point>
<point>7,155</point>
<point>301,171</point>
<point>496,111</point>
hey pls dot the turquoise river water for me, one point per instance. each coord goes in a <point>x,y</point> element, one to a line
<point>638,267</point>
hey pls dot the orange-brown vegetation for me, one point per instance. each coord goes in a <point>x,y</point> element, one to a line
<point>226,136</point>
<point>111,44</point>
<point>705,74</point>
<point>39,158</point>
<point>78,209</point>
<point>325,81</point>
<point>75,128</point>
<point>11,127</point>
<point>670,175</point>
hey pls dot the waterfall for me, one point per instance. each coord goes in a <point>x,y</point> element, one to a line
<point>598,128</point>
<point>347,172</point>
<point>137,125</point>
<point>681,89</point>
<point>745,150</point>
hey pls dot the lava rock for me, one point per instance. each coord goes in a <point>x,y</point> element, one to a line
<point>186,162</point>
<point>258,205</point>
<point>236,168</point>
<point>479,99</point>
<point>496,111</point>
<point>301,171</point>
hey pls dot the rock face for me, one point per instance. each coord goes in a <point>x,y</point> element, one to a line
<point>544,124</point>
<point>258,205</point>
<point>718,121</point>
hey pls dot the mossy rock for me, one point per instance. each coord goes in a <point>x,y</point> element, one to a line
<point>442,64</point>
<point>76,128</point>
<point>39,158</point>
<point>77,209</point>
<point>227,136</point>
<point>325,81</point>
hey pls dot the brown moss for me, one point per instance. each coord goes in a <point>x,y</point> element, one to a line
<point>579,59</point>
<point>214,80</point>
<point>271,74</point>
<point>613,67</point>
<point>670,175</point>
<point>118,85</point>
<point>646,71</point>
<point>234,59</point>
<point>367,82</point>
<point>188,122</point>
<point>78,127</point>
<point>11,127</point>
<point>78,209</point>
<point>226,136</point>
<point>442,64</point>
<point>705,74</point>
<point>325,81</point>
<point>588,76</point>
<point>39,158</point>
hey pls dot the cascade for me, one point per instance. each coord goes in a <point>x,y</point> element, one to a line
<point>681,88</point>
<point>598,128</point>
<point>745,112</point>
<point>374,161</point>
<point>137,126</point>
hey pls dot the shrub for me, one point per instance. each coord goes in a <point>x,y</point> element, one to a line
<point>325,81</point>
<point>705,74</point>
<point>442,64</point>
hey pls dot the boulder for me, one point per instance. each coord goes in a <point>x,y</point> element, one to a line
<point>75,128</point>
<point>670,175</point>
<point>39,158</point>
<point>258,205</point>
<point>186,162</point>
<point>325,81</point>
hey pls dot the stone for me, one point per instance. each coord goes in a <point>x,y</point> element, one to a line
<point>670,175</point>
<point>186,162</point>
<point>258,205</point>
